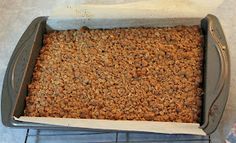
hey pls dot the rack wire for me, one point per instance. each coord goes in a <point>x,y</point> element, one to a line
<point>61,136</point>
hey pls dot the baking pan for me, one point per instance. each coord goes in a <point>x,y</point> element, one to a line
<point>216,74</point>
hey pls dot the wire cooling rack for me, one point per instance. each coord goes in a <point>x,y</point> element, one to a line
<point>60,136</point>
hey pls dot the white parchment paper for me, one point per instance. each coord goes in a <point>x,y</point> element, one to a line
<point>135,9</point>
<point>144,126</point>
<point>105,9</point>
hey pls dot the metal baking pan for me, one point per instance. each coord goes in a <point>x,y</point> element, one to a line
<point>216,74</point>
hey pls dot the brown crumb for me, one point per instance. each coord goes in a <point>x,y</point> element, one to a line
<point>152,74</point>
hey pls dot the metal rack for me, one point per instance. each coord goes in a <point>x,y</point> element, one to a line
<point>56,136</point>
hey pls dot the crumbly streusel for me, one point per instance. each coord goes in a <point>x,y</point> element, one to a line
<point>152,74</point>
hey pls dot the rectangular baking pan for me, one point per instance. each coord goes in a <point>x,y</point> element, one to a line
<point>216,74</point>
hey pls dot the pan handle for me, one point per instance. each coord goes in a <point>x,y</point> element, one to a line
<point>217,74</point>
<point>16,71</point>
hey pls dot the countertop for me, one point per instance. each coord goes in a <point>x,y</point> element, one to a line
<point>17,15</point>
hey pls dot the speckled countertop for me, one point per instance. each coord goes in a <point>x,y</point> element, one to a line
<point>15,16</point>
